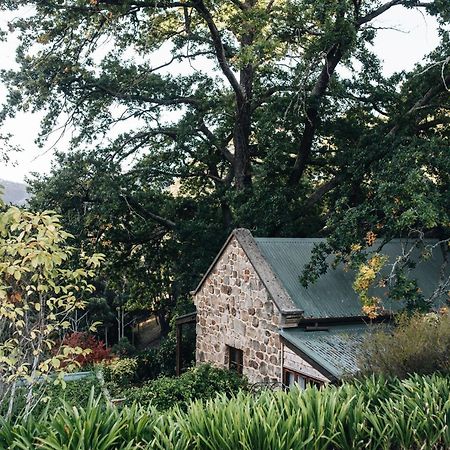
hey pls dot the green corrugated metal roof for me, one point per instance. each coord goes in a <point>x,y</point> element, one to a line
<point>332,296</point>
<point>335,350</point>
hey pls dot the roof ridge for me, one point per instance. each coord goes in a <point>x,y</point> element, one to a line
<point>289,239</point>
<point>320,239</point>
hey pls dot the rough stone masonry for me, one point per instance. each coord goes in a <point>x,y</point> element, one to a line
<point>235,310</point>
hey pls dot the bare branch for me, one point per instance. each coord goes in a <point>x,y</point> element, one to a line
<point>377,12</point>
<point>383,8</point>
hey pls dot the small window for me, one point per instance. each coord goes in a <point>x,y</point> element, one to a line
<point>235,359</point>
<point>291,378</point>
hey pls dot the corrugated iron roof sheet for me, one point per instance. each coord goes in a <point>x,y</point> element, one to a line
<point>335,350</point>
<point>332,296</point>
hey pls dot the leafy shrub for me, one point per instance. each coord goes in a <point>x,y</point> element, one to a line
<point>124,348</point>
<point>145,365</point>
<point>167,355</point>
<point>418,344</point>
<point>202,382</point>
<point>120,372</point>
<point>75,392</point>
<point>411,414</point>
<point>98,351</point>
<point>148,365</point>
<point>155,362</point>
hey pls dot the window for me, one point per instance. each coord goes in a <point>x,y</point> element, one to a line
<point>290,378</point>
<point>235,359</point>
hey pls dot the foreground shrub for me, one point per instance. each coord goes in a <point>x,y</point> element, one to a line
<point>199,383</point>
<point>370,414</point>
<point>120,372</point>
<point>76,392</point>
<point>97,349</point>
<point>418,344</point>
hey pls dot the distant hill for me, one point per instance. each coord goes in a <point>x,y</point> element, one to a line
<point>15,193</point>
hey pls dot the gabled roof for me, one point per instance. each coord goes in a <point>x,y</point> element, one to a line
<point>334,353</point>
<point>268,277</point>
<point>279,263</point>
<point>332,295</point>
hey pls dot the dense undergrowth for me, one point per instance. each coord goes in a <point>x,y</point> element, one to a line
<point>368,414</point>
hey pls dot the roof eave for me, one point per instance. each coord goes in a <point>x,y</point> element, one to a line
<point>327,374</point>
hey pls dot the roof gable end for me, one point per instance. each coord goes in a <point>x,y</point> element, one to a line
<point>267,276</point>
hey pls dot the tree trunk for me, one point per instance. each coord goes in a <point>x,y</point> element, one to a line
<point>29,398</point>
<point>243,122</point>
<point>119,328</point>
<point>241,137</point>
<point>123,322</point>
<point>227,215</point>
<point>163,323</point>
<point>312,119</point>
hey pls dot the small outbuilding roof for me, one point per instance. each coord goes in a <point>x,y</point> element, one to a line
<point>333,352</point>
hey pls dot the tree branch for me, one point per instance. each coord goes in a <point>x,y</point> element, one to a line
<point>223,150</point>
<point>333,57</point>
<point>188,100</point>
<point>377,12</point>
<point>323,189</point>
<point>146,214</point>
<point>432,92</point>
<point>149,4</point>
<point>219,48</point>
<point>383,8</point>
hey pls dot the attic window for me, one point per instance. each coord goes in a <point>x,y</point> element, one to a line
<point>236,360</point>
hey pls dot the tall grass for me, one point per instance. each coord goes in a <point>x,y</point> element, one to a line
<point>369,414</point>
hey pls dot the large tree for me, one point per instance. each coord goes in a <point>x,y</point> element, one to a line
<point>201,116</point>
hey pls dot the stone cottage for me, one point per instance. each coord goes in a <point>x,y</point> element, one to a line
<point>255,317</point>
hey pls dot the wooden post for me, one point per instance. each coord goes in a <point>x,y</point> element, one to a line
<point>178,355</point>
<point>187,318</point>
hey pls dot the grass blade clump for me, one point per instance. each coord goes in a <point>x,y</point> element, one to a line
<point>371,414</point>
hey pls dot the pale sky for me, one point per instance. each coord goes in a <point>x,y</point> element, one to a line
<point>398,49</point>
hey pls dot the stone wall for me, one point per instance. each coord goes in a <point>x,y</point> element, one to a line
<point>234,309</point>
<point>294,362</point>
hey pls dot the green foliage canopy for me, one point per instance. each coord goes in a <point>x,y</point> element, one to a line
<point>247,121</point>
